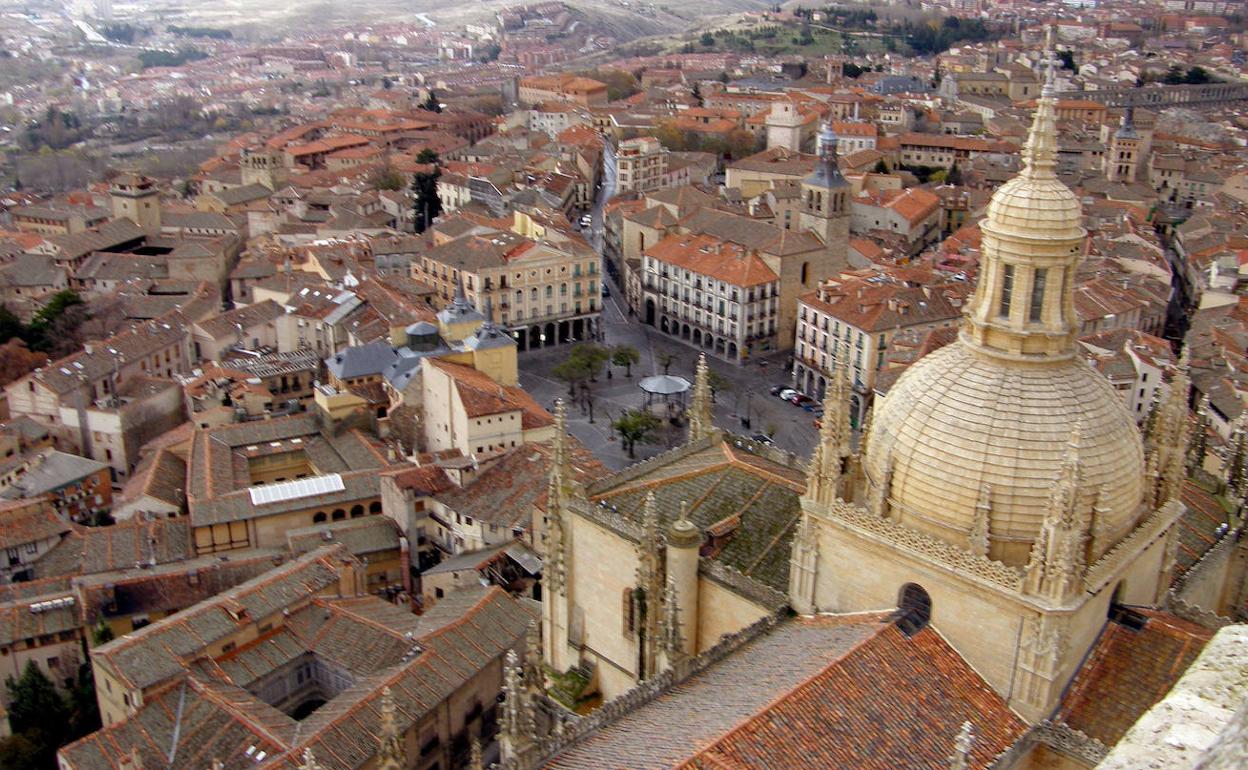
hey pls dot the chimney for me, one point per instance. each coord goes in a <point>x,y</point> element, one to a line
<point>131,761</point>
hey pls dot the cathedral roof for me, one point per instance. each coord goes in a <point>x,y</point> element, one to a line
<point>827,691</point>
<point>1133,665</point>
<point>747,503</point>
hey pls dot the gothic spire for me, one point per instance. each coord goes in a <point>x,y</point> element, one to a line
<point>1170,435</point>
<point>827,465</point>
<point>700,420</point>
<point>963,743</point>
<point>1057,561</point>
<point>671,639</point>
<point>390,753</point>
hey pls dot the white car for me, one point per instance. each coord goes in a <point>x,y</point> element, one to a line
<point>587,221</point>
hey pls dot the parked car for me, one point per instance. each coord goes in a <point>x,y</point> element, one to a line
<point>775,389</point>
<point>818,423</point>
<point>812,406</point>
<point>786,394</point>
<point>797,399</point>
<point>587,221</point>
<point>762,438</point>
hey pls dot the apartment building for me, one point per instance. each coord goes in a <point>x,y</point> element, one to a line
<point>583,91</point>
<point>850,320</point>
<point>539,282</point>
<point>641,164</point>
<point>716,295</point>
<point>107,400</point>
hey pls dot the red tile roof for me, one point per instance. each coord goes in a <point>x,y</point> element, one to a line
<point>909,695</point>
<point>1128,671</point>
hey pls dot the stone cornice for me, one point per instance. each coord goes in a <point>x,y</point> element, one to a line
<point>1106,568</point>
<point>924,546</point>
<point>743,585</point>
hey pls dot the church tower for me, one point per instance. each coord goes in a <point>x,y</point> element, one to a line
<point>263,167</point>
<point>825,200</point>
<point>1122,161</point>
<point>1004,500</point>
<point>136,197</point>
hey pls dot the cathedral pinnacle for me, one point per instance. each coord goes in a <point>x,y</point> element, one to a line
<point>700,419</point>
<point>390,754</point>
<point>963,743</point>
<point>1057,561</point>
<point>827,465</point>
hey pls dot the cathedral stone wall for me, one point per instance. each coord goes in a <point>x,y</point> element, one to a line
<point>857,574</point>
<point>722,611</point>
<point>604,566</point>
<point>990,629</point>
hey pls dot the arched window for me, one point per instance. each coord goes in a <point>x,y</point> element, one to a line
<point>339,514</point>
<point>374,506</point>
<point>914,609</point>
<point>318,518</point>
<point>805,272</point>
<point>357,511</point>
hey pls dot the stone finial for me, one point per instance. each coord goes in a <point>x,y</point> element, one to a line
<point>700,417</point>
<point>390,754</point>
<point>475,760</point>
<point>963,743</point>
<point>670,635</point>
<point>684,533</point>
<point>534,678</point>
<point>1055,568</point>
<point>864,438</point>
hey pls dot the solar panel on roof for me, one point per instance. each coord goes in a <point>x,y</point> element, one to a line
<point>292,490</point>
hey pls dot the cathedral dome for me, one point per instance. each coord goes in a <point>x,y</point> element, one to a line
<point>960,425</point>
<point>975,436</point>
<point>1034,208</point>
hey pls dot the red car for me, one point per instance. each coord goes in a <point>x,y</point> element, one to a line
<point>797,399</point>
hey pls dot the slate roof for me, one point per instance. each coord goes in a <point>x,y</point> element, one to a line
<point>58,469</point>
<point>749,500</point>
<point>362,360</point>
<point>1128,671</point>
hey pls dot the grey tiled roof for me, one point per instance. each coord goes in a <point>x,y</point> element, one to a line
<point>672,728</point>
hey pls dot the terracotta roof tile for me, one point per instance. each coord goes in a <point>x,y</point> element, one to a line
<point>1128,671</point>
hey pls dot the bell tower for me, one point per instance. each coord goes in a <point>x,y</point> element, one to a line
<point>825,198</point>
